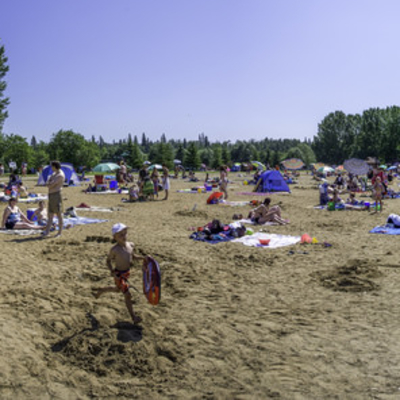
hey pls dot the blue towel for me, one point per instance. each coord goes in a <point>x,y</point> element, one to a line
<point>387,229</point>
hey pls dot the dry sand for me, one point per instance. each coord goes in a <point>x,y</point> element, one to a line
<point>234,322</point>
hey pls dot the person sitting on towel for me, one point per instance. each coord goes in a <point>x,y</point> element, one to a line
<point>14,218</point>
<point>264,213</point>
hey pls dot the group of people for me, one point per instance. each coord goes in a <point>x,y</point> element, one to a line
<point>354,184</point>
<point>14,218</point>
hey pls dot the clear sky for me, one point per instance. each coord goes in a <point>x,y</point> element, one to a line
<point>230,69</point>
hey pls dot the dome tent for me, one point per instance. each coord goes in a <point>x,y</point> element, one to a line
<point>271,181</point>
<point>71,178</point>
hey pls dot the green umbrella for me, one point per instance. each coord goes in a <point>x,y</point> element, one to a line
<point>106,167</point>
<point>158,166</point>
<point>383,166</point>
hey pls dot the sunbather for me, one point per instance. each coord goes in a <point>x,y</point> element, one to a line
<point>264,213</point>
<point>14,218</point>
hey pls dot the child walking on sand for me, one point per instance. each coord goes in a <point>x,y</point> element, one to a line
<point>122,255</point>
<point>379,189</point>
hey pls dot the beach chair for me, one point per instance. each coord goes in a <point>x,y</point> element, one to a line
<point>99,179</point>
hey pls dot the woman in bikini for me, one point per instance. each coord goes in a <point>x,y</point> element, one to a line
<point>264,213</point>
<point>13,218</point>
<point>223,181</point>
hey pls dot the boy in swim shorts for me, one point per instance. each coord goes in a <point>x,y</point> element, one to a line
<point>122,256</point>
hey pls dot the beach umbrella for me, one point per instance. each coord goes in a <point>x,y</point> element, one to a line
<point>106,167</point>
<point>147,163</point>
<point>392,167</point>
<point>383,166</point>
<point>259,165</point>
<point>157,166</point>
<point>339,168</point>
<point>356,166</point>
<point>318,165</point>
<point>325,170</point>
<point>177,162</point>
<point>293,163</point>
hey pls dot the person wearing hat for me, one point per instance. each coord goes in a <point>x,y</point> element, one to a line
<point>119,262</point>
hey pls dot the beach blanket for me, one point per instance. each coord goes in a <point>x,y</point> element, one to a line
<point>275,240</point>
<point>203,190</point>
<point>20,232</point>
<point>233,203</point>
<point>250,222</point>
<point>216,238</point>
<point>26,200</point>
<point>110,192</point>
<point>98,209</point>
<point>73,221</point>
<point>260,193</point>
<point>387,229</point>
<point>68,223</point>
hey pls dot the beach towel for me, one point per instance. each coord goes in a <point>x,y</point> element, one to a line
<point>233,203</point>
<point>26,200</point>
<point>73,221</point>
<point>387,229</point>
<point>98,209</point>
<point>194,190</point>
<point>20,232</point>
<point>275,240</point>
<point>250,222</point>
<point>392,226</point>
<point>110,192</point>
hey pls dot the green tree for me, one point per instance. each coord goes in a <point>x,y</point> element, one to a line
<point>206,156</point>
<point>136,157</point>
<point>192,158</point>
<point>217,157</point>
<point>68,146</point>
<point>17,149</point>
<point>226,155</point>
<point>180,152</point>
<point>4,101</point>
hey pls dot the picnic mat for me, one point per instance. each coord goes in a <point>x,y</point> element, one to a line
<point>68,223</point>
<point>98,209</point>
<point>109,192</point>
<point>387,229</point>
<point>233,203</point>
<point>26,200</point>
<point>275,240</point>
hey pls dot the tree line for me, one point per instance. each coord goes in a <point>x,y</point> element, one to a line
<point>374,133</point>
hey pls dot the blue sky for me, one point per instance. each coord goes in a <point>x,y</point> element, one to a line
<point>230,69</point>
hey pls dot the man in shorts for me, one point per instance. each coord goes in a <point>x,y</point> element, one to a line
<point>55,184</point>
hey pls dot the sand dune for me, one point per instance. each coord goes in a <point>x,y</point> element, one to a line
<point>298,322</point>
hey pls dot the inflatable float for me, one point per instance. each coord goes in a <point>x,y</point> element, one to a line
<point>152,281</point>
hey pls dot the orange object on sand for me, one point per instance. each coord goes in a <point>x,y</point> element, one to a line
<point>306,238</point>
<point>264,242</point>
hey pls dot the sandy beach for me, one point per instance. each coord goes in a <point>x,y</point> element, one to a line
<point>234,322</point>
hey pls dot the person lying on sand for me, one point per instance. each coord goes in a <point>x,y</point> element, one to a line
<point>264,213</point>
<point>122,255</point>
<point>14,218</point>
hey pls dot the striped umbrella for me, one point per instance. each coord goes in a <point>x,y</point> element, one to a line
<point>293,163</point>
<point>356,166</point>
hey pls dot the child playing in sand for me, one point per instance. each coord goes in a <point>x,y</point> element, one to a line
<point>41,213</point>
<point>379,189</point>
<point>122,255</point>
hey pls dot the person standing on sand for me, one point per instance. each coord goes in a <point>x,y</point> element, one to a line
<point>223,181</point>
<point>165,180</point>
<point>122,255</point>
<point>55,184</point>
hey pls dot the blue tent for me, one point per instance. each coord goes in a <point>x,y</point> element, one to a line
<point>271,181</point>
<point>70,175</point>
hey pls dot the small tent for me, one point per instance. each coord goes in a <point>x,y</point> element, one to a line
<point>271,181</point>
<point>71,178</point>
